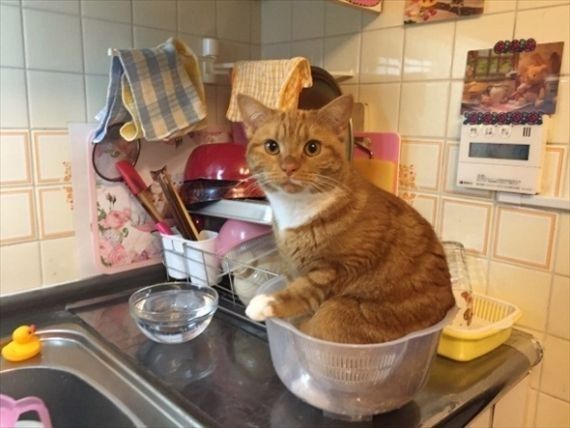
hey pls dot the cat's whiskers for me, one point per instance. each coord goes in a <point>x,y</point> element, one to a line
<point>329,181</point>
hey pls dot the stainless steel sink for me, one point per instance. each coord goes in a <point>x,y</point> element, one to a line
<point>84,384</point>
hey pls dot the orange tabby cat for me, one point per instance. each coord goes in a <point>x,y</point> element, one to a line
<point>368,268</point>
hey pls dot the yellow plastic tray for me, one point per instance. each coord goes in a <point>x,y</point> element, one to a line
<point>492,324</point>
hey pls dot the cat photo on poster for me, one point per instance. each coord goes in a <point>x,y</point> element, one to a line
<point>370,5</point>
<point>418,11</point>
<point>513,81</point>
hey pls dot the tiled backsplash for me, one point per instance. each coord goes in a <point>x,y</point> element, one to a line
<point>53,70</point>
<point>410,77</point>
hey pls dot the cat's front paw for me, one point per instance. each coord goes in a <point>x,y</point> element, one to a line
<point>259,308</point>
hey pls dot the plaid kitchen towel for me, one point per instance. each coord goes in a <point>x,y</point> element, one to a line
<point>275,83</point>
<point>156,93</point>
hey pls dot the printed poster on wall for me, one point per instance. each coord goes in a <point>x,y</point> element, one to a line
<point>512,81</point>
<point>418,11</point>
<point>371,5</point>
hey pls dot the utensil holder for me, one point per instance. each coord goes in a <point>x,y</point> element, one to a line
<point>192,259</point>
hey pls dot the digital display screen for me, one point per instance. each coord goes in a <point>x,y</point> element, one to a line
<point>499,151</point>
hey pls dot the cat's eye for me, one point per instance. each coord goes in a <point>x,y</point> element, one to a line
<point>312,148</point>
<point>272,147</point>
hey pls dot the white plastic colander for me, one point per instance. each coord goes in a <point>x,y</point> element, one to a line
<point>351,381</point>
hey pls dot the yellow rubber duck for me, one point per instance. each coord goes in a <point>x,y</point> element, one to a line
<point>24,345</point>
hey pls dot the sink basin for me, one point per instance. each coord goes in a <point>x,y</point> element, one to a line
<point>71,401</point>
<point>83,384</point>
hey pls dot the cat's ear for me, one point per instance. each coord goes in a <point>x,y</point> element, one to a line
<point>337,113</point>
<point>253,112</point>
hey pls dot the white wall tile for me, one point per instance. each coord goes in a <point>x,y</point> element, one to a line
<point>524,236</point>
<point>55,99</point>
<point>276,21</point>
<point>276,51</point>
<point>559,313</point>
<point>308,19</point>
<point>483,420</point>
<point>552,413</point>
<point>532,4</point>
<point>341,19</point>
<point>96,94</point>
<point>310,49</point>
<point>468,222</point>
<point>342,53</point>
<point>197,17</point>
<point>151,37</point>
<point>553,170</point>
<point>52,156</point>
<point>193,42</point>
<point>507,412</point>
<point>425,156</point>
<point>450,174</point>
<point>527,288</point>
<point>426,205</point>
<point>497,6</point>
<point>454,117</point>
<point>428,49</point>
<point>13,102</point>
<point>480,33</point>
<point>560,130</point>
<point>17,219</point>
<point>59,262</point>
<point>562,260</point>
<point>383,103</point>
<point>256,22</point>
<point>234,20</point>
<point>392,15</point>
<point>53,41</point>
<point>234,51</point>
<point>116,10</point>
<point>54,212</point>
<point>530,413</point>
<point>350,89</point>
<point>15,158</point>
<point>11,43</point>
<point>155,13</point>
<point>20,267</point>
<point>555,379</point>
<point>382,55</point>
<point>64,6</point>
<point>99,36</point>
<point>555,29</point>
<point>566,180</point>
<point>424,109</point>
<point>255,52</point>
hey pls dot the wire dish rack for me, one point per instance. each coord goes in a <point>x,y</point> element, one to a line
<point>236,276</point>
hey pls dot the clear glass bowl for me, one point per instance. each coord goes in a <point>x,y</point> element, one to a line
<point>173,312</point>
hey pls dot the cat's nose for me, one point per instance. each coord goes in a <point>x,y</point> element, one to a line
<point>289,167</point>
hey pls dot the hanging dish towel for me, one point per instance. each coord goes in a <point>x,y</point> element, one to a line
<point>275,83</point>
<point>156,93</point>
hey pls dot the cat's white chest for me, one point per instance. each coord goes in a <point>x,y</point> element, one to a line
<point>292,210</point>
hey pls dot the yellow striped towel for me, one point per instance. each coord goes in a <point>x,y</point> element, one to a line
<point>275,83</point>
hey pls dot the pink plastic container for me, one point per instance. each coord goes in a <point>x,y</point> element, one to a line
<point>11,410</point>
<point>235,232</point>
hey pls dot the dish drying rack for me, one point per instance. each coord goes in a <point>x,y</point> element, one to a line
<point>236,276</point>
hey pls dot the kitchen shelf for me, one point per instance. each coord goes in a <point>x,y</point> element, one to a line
<point>254,211</point>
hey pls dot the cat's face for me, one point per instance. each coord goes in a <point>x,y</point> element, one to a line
<point>299,150</point>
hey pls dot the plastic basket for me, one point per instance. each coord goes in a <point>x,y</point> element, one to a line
<point>491,326</point>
